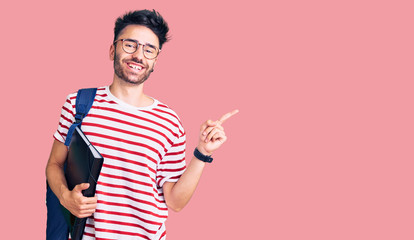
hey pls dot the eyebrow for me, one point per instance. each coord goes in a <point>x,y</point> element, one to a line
<point>148,44</point>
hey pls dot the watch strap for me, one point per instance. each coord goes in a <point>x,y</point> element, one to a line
<point>202,157</point>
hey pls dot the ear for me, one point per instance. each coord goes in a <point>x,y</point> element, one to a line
<point>112,52</point>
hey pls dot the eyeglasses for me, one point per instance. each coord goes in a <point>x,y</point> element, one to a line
<point>132,45</point>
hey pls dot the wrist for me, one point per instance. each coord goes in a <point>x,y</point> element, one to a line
<point>63,193</point>
<point>202,155</point>
<point>203,151</point>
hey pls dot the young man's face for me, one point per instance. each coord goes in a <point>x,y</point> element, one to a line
<point>133,68</point>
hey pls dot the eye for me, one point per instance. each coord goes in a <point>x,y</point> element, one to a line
<point>150,49</point>
<point>130,44</point>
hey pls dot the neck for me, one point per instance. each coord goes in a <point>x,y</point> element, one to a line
<point>130,93</point>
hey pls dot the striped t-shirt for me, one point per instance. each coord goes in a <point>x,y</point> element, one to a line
<point>142,149</point>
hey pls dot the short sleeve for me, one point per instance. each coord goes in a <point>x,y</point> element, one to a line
<point>67,117</point>
<point>172,165</point>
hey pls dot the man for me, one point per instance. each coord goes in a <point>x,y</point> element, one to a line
<point>142,142</point>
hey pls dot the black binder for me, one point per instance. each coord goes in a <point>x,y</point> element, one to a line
<point>84,164</point>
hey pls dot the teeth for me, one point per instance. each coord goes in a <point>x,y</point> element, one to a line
<point>135,66</point>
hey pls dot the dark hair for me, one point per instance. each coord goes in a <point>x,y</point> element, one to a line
<point>150,19</point>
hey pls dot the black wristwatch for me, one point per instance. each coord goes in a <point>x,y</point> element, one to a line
<point>202,157</point>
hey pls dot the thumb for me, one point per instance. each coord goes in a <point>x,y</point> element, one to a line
<point>80,187</point>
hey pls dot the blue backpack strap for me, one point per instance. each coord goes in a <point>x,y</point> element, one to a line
<point>84,101</point>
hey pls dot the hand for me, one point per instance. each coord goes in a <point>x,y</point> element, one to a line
<point>212,134</point>
<point>77,204</point>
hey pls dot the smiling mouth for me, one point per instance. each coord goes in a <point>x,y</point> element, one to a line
<point>133,66</point>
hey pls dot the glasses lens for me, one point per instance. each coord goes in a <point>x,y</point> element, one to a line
<point>129,46</point>
<point>150,52</point>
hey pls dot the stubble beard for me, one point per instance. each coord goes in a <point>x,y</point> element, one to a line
<point>130,78</point>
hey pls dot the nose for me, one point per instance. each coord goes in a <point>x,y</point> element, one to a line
<point>139,53</point>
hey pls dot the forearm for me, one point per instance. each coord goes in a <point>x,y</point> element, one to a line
<point>54,169</point>
<point>180,193</point>
<point>56,179</point>
<point>211,137</point>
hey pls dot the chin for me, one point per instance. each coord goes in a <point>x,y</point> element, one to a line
<point>135,81</point>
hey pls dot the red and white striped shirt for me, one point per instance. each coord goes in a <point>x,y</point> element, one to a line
<point>142,149</point>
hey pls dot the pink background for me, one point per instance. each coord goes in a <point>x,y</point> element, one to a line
<point>322,147</point>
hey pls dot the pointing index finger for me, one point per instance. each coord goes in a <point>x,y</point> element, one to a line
<point>227,116</point>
